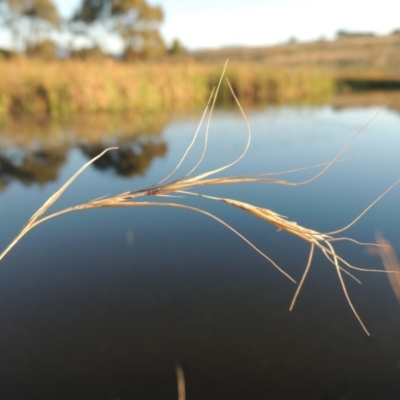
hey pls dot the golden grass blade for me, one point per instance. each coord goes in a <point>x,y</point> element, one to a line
<point>251,178</point>
<point>278,220</point>
<point>183,206</point>
<point>118,202</point>
<point>180,378</point>
<point>361,269</point>
<point>217,170</point>
<point>283,182</point>
<point>53,198</point>
<point>345,291</point>
<point>311,236</point>
<point>339,239</point>
<point>284,172</point>
<point>32,222</point>
<point>366,210</point>
<point>328,256</point>
<point>289,171</point>
<point>208,122</point>
<point>390,262</point>
<point>343,149</point>
<point>300,285</point>
<point>313,241</point>
<point>191,143</point>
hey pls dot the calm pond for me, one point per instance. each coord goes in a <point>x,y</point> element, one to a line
<point>104,304</point>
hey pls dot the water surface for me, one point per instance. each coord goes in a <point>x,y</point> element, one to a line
<point>104,304</point>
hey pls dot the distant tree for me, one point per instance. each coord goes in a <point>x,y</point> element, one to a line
<point>30,21</point>
<point>342,34</point>
<point>177,48</point>
<point>134,22</point>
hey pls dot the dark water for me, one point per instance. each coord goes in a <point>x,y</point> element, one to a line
<point>104,304</point>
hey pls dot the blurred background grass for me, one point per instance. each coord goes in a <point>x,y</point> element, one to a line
<point>57,89</point>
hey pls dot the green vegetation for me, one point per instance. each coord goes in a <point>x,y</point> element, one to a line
<point>30,22</point>
<point>134,24</point>
<point>57,89</point>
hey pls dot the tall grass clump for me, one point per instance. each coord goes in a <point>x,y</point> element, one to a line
<point>256,83</point>
<point>69,87</point>
<point>171,192</point>
<point>62,88</point>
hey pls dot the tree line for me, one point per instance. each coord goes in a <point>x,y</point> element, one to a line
<point>36,28</point>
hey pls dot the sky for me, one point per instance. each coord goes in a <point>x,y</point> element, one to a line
<point>202,24</point>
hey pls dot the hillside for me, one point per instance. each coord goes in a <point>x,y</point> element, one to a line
<point>349,53</point>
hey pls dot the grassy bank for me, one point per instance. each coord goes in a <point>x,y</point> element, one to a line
<point>347,54</point>
<point>63,88</point>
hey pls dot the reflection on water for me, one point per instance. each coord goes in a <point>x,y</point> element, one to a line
<point>127,160</point>
<point>369,98</point>
<point>37,166</point>
<point>105,304</point>
<point>34,153</point>
<point>42,165</point>
<point>92,128</point>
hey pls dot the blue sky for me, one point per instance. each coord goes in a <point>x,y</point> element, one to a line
<point>217,23</point>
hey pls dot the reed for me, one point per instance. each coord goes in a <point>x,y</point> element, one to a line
<point>186,186</point>
<point>389,261</point>
<point>63,88</point>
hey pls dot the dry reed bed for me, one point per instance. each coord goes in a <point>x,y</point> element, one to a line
<point>186,185</point>
<point>62,88</point>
